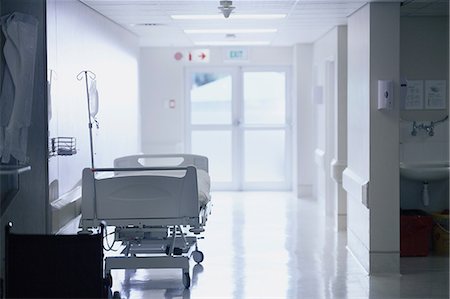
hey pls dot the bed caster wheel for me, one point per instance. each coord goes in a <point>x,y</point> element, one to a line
<point>197,256</point>
<point>186,280</point>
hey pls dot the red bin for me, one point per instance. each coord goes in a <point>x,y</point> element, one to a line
<point>415,233</point>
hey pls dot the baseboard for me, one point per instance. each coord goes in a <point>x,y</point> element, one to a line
<point>384,262</point>
<point>373,262</point>
<point>358,250</point>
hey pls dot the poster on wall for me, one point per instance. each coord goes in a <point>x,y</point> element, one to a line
<point>414,95</point>
<point>435,94</point>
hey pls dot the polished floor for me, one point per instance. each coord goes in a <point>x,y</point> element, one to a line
<point>273,245</point>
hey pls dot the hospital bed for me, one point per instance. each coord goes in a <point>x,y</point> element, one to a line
<point>158,204</point>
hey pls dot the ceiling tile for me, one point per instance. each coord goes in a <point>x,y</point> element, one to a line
<point>306,21</point>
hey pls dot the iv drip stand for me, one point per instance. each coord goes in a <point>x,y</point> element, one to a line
<point>80,76</point>
<point>90,74</point>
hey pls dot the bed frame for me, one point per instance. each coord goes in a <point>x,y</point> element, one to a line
<point>154,214</point>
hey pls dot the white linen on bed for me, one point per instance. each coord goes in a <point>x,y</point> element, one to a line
<point>204,187</point>
<point>203,180</point>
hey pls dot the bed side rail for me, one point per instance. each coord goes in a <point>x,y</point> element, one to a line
<point>181,160</point>
<point>142,198</point>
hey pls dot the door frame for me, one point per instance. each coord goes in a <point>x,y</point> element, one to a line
<point>237,71</point>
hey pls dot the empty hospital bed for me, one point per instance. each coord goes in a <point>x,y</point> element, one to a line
<point>158,205</point>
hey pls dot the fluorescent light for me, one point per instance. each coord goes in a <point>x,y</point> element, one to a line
<point>232,43</point>
<point>259,17</point>
<point>196,17</point>
<point>226,31</point>
<point>233,16</point>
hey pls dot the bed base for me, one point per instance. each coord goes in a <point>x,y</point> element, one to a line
<point>155,248</point>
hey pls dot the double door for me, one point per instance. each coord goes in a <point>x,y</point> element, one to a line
<point>239,118</point>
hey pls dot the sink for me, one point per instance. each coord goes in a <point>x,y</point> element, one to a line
<point>425,171</point>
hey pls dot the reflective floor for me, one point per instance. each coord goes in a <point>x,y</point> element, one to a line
<point>273,245</point>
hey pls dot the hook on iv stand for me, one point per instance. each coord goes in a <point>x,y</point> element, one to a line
<point>86,75</point>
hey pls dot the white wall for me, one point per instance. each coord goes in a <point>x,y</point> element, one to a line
<point>330,123</point>
<point>424,53</point>
<point>324,51</point>
<point>162,79</point>
<point>384,185</point>
<point>358,159</point>
<point>339,162</point>
<point>372,176</point>
<point>303,66</point>
<point>81,39</point>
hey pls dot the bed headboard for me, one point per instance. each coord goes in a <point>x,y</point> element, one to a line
<point>166,160</point>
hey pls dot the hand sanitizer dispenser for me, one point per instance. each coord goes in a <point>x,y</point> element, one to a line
<point>385,95</point>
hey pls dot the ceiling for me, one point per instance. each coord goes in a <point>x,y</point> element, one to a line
<point>305,21</point>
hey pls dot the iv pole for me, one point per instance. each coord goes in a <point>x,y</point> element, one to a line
<point>80,76</point>
<point>88,74</point>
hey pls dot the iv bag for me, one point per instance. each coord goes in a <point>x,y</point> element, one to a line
<point>93,98</point>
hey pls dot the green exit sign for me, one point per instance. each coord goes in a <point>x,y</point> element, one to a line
<point>237,54</point>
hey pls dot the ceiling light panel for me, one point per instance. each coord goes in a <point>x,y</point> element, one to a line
<point>232,17</point>
<point>231,37</point>
<point>232,43</point>
<point>228,31</point>
<point>245,7</point>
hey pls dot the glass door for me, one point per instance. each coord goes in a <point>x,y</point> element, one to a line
<point>210,128</point>
<point>238,118</point>
<point>265,129</point>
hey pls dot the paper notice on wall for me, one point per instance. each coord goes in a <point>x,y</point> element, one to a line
<point>435,94</point>
<point>414,95</point>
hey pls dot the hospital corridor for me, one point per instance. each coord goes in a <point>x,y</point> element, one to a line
<point>275,149</point>
<point>272,245</point>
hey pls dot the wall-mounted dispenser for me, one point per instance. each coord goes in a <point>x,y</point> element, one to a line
<point>385,95</point>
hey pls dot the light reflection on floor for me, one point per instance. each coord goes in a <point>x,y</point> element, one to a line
<point>273,245</point>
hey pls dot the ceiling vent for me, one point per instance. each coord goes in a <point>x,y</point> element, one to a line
<point>149,24</point>
<point>226,8</point>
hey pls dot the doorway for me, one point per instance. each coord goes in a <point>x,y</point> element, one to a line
<point>239,118</point>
